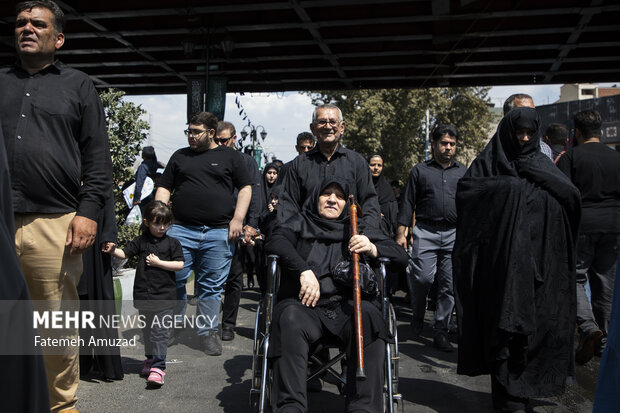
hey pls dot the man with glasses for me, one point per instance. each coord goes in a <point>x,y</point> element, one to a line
<point>305,142</point>
<point>202,179</point>
<point>226,135</point>
<point>328,157</point>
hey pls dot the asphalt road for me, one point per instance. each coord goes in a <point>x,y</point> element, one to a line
<point>199,383</point>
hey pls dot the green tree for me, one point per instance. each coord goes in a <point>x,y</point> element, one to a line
<point>391,122</point>
<point>126,131</point>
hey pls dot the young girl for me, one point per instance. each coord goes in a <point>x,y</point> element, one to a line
<point>154,289</point>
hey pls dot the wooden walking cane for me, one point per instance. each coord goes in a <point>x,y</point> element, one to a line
<point>357,297</point>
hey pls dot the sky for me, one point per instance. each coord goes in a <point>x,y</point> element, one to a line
<point>283,116</point>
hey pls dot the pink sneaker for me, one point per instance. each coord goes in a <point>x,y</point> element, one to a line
<point>146,367</point>
<point>156,378</point>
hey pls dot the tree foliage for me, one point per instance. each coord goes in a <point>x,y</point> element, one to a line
<point>391,122</point>
<point>126,132</point>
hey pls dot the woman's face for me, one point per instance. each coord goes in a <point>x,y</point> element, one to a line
<point>331,202</point>
<point>376,166</point>
<point>271,175</point>
<point>524,136</point>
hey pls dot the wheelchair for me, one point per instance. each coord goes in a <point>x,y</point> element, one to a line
<point>260,392</point>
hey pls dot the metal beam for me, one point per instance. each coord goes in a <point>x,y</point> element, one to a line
<point>316,35</point>
<point>117,37</point>
<point>572,40</point>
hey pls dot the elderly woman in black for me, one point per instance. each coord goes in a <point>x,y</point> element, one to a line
<point>514,266</point>
<point>311,304</point>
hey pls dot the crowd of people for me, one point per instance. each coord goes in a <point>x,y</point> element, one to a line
<point>508,244</point>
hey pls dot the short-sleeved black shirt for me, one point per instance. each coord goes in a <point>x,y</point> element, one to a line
<point>153,283</point>
<point>203,183</point>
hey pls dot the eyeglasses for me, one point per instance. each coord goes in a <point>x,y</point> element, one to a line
<point>194,132</point>
<point>221,141</point>
<point>305,147</point>
<point>324,122</point>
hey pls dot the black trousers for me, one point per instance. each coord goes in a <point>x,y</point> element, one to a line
<point>597,255</point>
<point>232,290</point>
<point>300,328</point>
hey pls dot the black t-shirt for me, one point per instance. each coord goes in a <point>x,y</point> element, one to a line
<point>595,170</point>
<point>203,185</point>
<point>154,283</point>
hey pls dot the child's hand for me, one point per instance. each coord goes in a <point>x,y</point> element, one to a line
<point>108,247</point>
<point>152,260</point>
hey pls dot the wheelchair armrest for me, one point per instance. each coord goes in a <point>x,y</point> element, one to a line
<point>383,263</point>
<point>273,274</point>
<point>383,288</point>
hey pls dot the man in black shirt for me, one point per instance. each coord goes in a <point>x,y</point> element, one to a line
<point>204,177</point>
<point>595,170</point>
<point>58,155</point>
<point>305,143</point>
<point>226,135</point>
<point>327,158</point>
<point>430,192</point>
<point>556,136</point>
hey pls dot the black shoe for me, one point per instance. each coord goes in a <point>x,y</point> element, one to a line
<point>211,344</point>
<point>416,328</point>
<point>442,343</point>
<point>588,344</point>
<point>228,334</point>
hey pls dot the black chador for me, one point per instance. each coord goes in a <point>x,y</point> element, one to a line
<point>514,265</point>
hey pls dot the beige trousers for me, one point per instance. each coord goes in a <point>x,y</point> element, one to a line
<point>52,276</point>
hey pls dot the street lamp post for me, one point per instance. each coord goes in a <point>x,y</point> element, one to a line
<point>256,149</point>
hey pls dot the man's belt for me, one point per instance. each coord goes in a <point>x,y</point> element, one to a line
<point>440,225</point>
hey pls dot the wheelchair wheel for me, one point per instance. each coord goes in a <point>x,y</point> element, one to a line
<point>261,374</point>
<point>392,398</point>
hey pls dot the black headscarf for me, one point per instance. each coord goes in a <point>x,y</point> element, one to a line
<point>514,262</point>
<point>387,202</point>
<point>267,187</point>
<point>503,156</point>
<point>385,194</point>
<point>324,241</point>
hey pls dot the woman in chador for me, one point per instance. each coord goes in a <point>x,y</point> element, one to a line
<point>311,304</point>
<point>514,266</point>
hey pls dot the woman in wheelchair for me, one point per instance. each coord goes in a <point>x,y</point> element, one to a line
<point>312,304</point>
